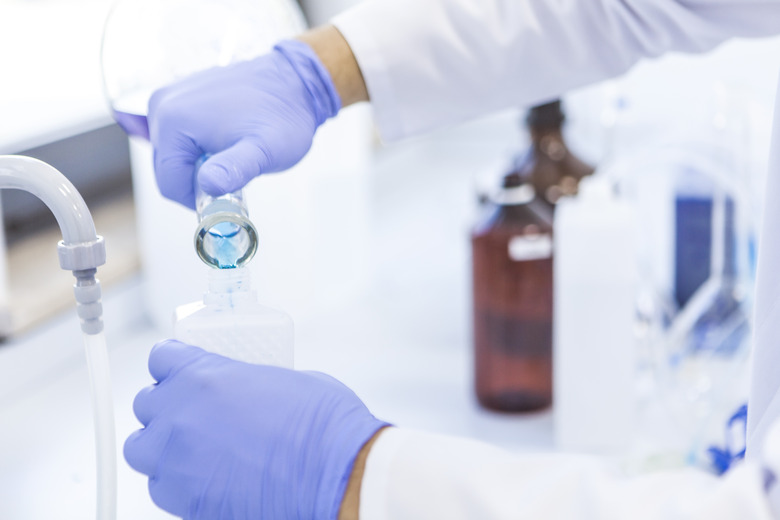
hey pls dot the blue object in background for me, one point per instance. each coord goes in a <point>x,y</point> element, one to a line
<point>734,447</point>
<point>723,326</point>
<point>692,245</point>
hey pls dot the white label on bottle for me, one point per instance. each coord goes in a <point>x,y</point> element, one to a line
<point>530,247</point>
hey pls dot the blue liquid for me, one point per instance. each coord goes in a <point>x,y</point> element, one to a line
<point>226,244</point>
<point>134,125</point>
<point>225,238</point>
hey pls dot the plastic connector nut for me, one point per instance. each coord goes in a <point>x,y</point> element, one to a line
<point>86,255</point>
<point>87,293</point>
<point>90,311</point>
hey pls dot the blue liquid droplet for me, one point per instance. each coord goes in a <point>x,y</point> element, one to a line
<point>226,244</point>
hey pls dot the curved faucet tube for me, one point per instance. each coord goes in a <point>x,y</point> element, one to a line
<point>81,251</point>
<point>55,190</point>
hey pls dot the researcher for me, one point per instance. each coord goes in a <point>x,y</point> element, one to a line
<point>227,440</point>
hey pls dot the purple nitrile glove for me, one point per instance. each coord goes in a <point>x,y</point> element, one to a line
<point>252,117</point>
<point>225,440</point>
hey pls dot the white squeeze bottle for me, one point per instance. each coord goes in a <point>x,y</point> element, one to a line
<point>594,349</point>
<point>230,321</point>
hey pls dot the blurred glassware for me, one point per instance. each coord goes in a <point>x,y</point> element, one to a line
<point>693,308</point>
<point>148,44</point>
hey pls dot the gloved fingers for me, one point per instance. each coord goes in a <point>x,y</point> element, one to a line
<point>232,169</point>
<point>169,355</point>
<point>143,448</point>
<point>144,406</point>
<point>174,166</point>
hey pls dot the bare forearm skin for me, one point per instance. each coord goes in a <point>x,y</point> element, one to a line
<point>335,53</point>
<point>350,504</point>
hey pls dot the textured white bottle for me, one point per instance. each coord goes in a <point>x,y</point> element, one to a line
<point>594,349</point>
<point>230,322</point>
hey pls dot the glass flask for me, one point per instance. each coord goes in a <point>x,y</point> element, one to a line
<point>148,44</point>
<point>512,261</point>
<point>552,168</point>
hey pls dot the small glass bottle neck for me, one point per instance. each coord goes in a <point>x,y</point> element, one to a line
<point>229,285</point>
<point>206,204</point>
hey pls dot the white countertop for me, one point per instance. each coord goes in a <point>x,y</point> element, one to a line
<point>409,365</point>
<point>46,450</point>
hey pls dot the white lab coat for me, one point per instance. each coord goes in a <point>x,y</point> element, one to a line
<point>429,63</point>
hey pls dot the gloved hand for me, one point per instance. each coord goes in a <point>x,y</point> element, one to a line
<point>230,440</point>
<point>252,117</point>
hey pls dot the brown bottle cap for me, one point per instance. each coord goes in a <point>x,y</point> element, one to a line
<point>549,116</point>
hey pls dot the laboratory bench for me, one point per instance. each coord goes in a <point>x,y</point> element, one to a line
<point>46,443</point>
<point>402,341</point>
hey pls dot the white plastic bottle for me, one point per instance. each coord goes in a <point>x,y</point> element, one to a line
<point>594,346</point>
<point>231,322</point>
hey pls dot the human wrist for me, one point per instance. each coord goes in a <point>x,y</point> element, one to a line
<point>336,56</point>
<point>350,504</point>
<point>315,77</point>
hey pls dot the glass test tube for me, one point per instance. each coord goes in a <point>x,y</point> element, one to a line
<point>225,238</point>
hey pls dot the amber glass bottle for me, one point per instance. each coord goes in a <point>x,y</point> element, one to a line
<point>513,291</point>
<point>553,169</point>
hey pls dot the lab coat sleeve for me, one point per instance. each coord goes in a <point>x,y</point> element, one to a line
<point>764,399</point>
<point>429,63</point>
<point>418,476</point>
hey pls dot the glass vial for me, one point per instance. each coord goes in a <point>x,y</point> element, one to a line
<point>553,169</point>
<point>225,237</point>
<point>513,300</point>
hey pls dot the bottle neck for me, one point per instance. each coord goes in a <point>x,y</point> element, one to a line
<point>539,133</point>
<point>550,144</point>
<point>515,195</point>
<point>548,115</point>
<point>545,124</point>
<point>229,286</point>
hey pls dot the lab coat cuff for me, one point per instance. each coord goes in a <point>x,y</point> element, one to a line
<point>376,476</point>
<point>355,26</point>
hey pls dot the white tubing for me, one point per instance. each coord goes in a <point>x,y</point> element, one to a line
<point>80,251</point>
<point>105,436</point>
